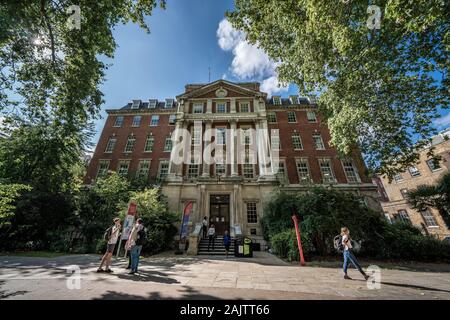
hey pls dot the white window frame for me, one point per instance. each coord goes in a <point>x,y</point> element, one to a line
<point>292,113</point>
<point>403,216</point>
<point>432,164</point>
<point>147,143</point>
<point>326,161</point>
<point>154,116</point>
<point>245,133</point>
<point>197,106</point>
<point>318,135</point>
<point>246,172</point>
<point>398,177</point>
<point>353,168</point>
<point>152,103</point>
<point>109,143</point>
<point>294,99</point>
<point>133,143</point>
<point>302,178</point>
<point>169,103</point>
<point>224,166</point>
<point>168,142</point>
<point>253,211</point>
<point>275,142</point>
<point>415,170</point>
<point>429,217</point>
<point>100,162</point>
<point>269,117</point>
<point>224,104</point>
<point>136,104</point>
<point>313,119</point>
<point>276,100</point>
<point>244,103</point>
<point>282,163</point>
<point>141,173</point>
<point>160,175</point>
<point>119,167</point>
<point>216,134</point>
<point>116,125</point>
<point>296,135</point>
<point>196,136</point>
<point>172,119</point>
<point>138,124</point>
<point>193,170</point>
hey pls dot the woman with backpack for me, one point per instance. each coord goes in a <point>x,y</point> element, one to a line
<point>348,254</point>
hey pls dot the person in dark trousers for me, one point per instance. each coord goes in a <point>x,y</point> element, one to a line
<point>205,227</point>
<point>226,242</point>
<point>134,244</point>
<point>348,254</point>
<point>211,236</point>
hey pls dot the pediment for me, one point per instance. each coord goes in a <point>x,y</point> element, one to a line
<point>220,89</point>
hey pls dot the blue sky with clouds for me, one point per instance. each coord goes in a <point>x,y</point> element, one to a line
<point>186,39</point>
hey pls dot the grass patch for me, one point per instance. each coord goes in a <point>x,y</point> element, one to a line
<point>35,254</point>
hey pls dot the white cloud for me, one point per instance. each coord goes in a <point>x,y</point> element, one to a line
<point>249,61</point>
<point>443,121</point>
<point>272,85</point>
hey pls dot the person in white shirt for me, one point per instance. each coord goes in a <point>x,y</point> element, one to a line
<point>113,236</point>
<point>211,236</point>
<point>348,254</point>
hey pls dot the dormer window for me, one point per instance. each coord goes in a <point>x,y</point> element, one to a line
<point>169,103</point>
<point>152,103</point>
<point>136,104</point>
<point>276,100</point>
<point>294,99</point>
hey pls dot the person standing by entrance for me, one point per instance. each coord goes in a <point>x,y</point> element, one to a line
<point>205,227</point>
<point>211,236</point>
<point>134,244</point>
<point>112,235</point>
<point>226,242</point>
<point>348,254</point>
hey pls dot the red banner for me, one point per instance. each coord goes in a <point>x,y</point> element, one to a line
<point>132,209</point>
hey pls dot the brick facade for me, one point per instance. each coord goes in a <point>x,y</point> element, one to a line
<point>246,194</point>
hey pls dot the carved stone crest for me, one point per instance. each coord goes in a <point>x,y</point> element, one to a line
<point>221,93</point>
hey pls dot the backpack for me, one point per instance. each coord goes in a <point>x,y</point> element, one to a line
<point>338,245</point>
<point>107,234</point>
<point>142,237</point>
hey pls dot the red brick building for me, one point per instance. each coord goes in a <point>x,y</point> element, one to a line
<point>137,141</point>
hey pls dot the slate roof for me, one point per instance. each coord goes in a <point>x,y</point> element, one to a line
<point>144,105</point>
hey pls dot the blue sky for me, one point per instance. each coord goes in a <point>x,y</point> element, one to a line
<point>182,44</point>
<point>186,39</point>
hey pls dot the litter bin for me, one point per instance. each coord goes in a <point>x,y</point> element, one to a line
<point>243,247</point>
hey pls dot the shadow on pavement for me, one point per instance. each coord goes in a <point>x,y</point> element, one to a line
<point>187,293</point>
<point>4,294</point>
<point>410,286</point>
<point>148,276</point>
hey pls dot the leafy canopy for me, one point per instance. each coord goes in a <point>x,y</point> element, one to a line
<point>379,89</point>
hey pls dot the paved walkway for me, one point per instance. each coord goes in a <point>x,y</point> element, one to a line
<point>180,277</point>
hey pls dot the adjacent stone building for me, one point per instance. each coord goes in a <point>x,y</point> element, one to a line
<point>143,139</point>
<point>425,172</point>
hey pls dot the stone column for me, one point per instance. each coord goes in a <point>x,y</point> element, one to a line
<point>209,106</point>
<point>233,145</point>
<point>233,105</point>
<point>207,141</point>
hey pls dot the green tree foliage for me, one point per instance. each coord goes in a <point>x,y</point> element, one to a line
<point>8,196</point>
<point>379,89</point>
<point>98,205</point>
<point>437,196</point>
<point>152,207</point>
<point>323,211</point>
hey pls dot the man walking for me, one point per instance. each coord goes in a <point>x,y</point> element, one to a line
<point>112,235</point>
<point>134,244</point>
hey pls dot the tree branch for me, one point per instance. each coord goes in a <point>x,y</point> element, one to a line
<point>50,30</point>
